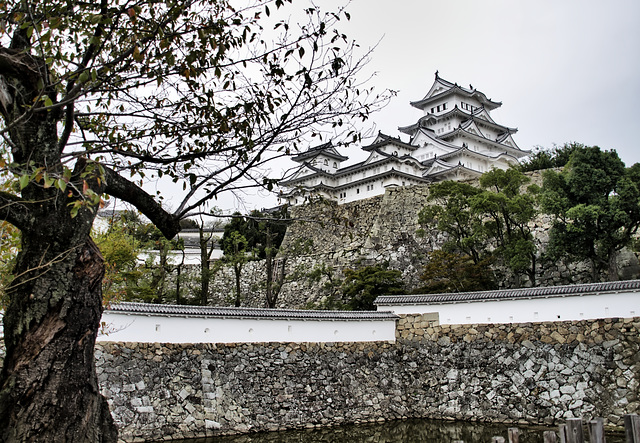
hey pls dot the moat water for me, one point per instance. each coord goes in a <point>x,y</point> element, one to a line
<point>400,431</point>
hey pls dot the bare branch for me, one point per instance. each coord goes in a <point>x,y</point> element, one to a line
<point>119,187</point>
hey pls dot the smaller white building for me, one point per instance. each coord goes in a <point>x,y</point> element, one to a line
<point>191,240</point>
<point>151,323</point>
<point>555,303</point>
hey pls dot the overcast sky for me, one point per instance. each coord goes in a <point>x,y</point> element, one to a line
<point>564,70</point>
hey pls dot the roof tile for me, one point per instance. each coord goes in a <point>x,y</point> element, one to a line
<point>211,311</point>
<point>510,294</point>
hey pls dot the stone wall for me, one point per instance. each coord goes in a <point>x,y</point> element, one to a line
<point>536,372</point>
<point>523,373</point>
<point>533,373</point>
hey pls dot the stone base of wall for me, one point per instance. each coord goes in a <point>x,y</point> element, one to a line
<point>537,373</point>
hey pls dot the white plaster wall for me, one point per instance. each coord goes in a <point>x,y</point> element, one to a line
<point>531,310</point>
<point>353,195</point>
<point>166,329</point>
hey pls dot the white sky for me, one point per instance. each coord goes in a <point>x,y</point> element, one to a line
<point>564,70</point>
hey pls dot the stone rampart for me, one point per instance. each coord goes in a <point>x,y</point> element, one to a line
<point>385,229</point>
<point>534,373</point>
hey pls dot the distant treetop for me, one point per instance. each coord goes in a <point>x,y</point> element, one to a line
<point>548,158</point>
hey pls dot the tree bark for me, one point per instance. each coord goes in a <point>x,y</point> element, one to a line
<point>271,302</point>
<point>612,267</point>
<point>48,385</point>
<point>237,269</point>
<point>205,267</point>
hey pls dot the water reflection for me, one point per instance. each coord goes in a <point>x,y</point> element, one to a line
<point>415,430</point>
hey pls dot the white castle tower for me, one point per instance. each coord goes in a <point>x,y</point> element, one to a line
<point>455,139</point>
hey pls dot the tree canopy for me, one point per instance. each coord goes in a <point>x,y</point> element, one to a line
<point>548,158</point>
<point>254,228</point>
<point>487,222</point>
<point>595,201</point>
<point>96,98</point>
<point>263,233</point>
<point>507,209</point>
<point>362,286</point>
<point>451,212</point>
<point>454,272</point>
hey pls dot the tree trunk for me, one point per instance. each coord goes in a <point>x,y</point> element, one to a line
<point>532,271</point>
<point>205,267</point>
<point>48,386</point>
<point>613,266</point>
<point>237,269</point>
<point>594,271</point>
<point>271,302</point>
<point>178,289</point>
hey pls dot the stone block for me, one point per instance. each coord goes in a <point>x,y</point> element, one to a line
<point>210,424</point>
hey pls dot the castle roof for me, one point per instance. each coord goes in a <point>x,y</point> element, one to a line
<point>384,140</point>
<point>466,130</point>
<point>442,88</point>
<point>325,149</point>
<point>469,153</point>
<point>449,171</point>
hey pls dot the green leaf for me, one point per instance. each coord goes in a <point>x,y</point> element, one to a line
<point>24,181</point>
<point>61,184</point>
<point>48,181</point>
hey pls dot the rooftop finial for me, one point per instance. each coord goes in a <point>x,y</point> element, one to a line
<point>436,73</point>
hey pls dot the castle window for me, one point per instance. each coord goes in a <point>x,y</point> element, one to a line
<point>335,165</point>
<point>444,106</point>
<point>326,162</point>
<point>467,106</point>
<point>358,191</point>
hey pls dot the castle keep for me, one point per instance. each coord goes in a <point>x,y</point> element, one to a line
<point>455,139</point>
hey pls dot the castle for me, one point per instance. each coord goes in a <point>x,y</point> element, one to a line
<point>455,139</point>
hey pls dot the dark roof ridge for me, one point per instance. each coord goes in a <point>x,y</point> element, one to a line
<point>213,311</point>
<point>541,292</point>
